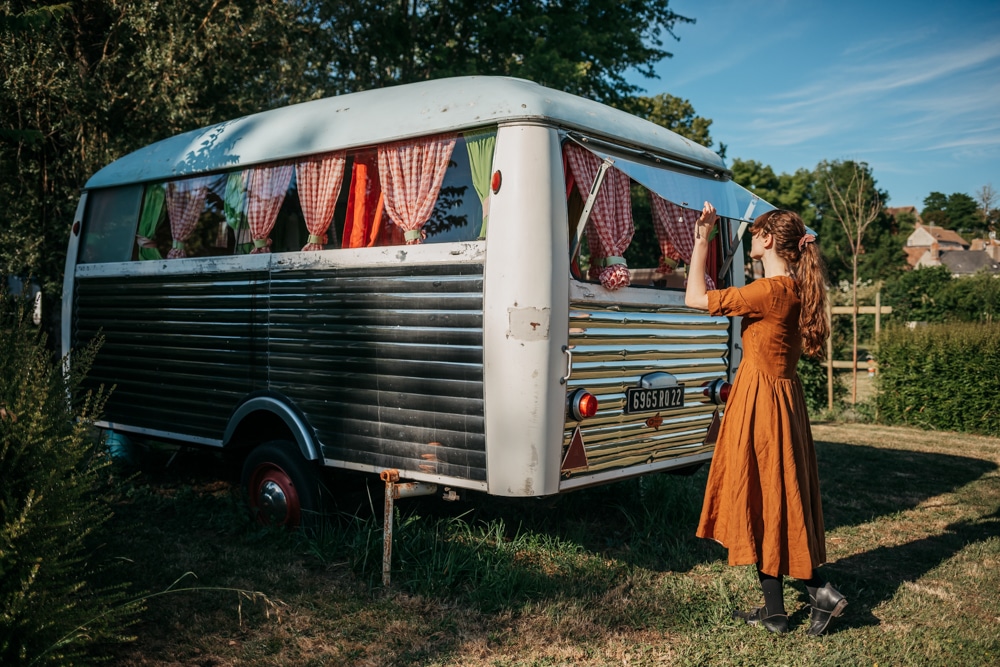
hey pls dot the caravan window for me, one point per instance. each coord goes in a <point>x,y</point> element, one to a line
<point>424,190</point>
<point>109,232</point>
<point>427,190</point>
<point>632,236</point>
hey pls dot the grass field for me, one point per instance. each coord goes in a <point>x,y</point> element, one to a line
<point>607,576</point>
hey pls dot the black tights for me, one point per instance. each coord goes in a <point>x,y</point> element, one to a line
<point>774,599</point>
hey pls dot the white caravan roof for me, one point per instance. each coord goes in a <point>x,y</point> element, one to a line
<point>388,114</point>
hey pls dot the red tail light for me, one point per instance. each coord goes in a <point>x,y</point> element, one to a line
<point>717,391</point>
<point>581,404</point>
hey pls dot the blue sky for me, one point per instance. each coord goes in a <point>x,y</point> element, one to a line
<point>911,88</point>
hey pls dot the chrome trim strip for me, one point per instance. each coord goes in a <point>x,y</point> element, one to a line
<point>154,433</point>
<point>585,480</point>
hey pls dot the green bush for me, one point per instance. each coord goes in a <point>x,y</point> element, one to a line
<point>815,385</point>
<point>53,499</point>
<point>941,376</point>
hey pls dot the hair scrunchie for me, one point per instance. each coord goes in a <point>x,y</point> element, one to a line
<point>806,238</point>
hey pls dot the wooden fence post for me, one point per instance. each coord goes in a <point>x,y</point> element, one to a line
<point>829,357</point>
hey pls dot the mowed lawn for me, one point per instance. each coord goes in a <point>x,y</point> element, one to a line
<point>606,576</point>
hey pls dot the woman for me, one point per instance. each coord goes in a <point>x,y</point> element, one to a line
<point>762,501</point>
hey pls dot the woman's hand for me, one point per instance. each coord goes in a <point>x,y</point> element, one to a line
<point>707,220</point>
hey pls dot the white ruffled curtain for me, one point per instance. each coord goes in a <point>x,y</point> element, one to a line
<point>185,202</point>
<point>674,227</point>
<point>319,180</point>
<point>266,188</point>
<point>610,227</point>
<point>411,173</point>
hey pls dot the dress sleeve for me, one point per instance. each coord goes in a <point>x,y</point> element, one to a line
<point>754,299</point>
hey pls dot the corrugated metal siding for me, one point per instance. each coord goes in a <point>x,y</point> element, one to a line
<point>612,348</point>
<point>386,364</point>
<point>179,350</point>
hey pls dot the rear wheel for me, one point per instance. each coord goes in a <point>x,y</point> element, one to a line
<point>283,489</point>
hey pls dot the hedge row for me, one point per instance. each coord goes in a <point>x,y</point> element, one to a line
<point>941,376</point>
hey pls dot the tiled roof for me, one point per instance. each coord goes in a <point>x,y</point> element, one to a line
<point>966,262</point>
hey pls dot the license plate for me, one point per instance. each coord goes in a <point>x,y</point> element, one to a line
<point>649,400</point>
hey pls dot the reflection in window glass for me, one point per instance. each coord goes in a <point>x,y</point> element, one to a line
<point>109,225</point>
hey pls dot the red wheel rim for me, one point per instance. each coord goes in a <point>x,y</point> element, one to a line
<point>273,496</point>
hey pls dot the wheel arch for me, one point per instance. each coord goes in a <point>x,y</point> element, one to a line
<point>267,416</point>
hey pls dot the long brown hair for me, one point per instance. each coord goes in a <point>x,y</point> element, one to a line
<point>801,252</point>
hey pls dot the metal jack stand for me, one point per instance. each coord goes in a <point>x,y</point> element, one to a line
<point>393,491</point>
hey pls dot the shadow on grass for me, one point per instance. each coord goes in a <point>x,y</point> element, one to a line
<point>861,483</point>
<point>590,546</point>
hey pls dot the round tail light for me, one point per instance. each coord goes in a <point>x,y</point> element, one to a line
<point>582,405</point>
<point>717,391</point>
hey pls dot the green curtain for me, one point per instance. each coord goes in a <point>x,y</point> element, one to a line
<point>152,207</point>
<point>481,146</point>
<point>235,209</point>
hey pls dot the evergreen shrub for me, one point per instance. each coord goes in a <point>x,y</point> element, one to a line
<point>54,497</point>
<point>941,376</point>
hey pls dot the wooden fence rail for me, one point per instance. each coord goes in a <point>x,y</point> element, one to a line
<point>878,310</point>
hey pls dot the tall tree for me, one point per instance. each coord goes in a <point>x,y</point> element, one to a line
<point>585,47</point>
<point>108,76</point>
<point>957,211</point>
<point>852,205</point>
<point>986,198</point>
<point>881,253</point>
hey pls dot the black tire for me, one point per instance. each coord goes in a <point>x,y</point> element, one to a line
<point>283,489</point>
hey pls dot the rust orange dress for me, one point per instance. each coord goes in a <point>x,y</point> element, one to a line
<point>762,500</point>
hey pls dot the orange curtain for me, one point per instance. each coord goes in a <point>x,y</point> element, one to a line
<point>365,204</point>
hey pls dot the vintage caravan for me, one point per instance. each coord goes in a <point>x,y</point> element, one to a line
<point>469,284</point>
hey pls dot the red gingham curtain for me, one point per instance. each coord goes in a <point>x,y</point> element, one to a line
<point>610,228</point>
<point>185,203</point>
<point>266,190</point>
<point>411,173</point>
<point>319,179</point>
<point>674,227</point>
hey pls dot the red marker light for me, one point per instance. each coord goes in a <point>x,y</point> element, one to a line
<point>717,391</point>
<point>495,181</point>
<point>588,405</point>
<point>581,405</point>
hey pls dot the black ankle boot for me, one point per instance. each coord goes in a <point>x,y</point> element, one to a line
<point>826,603</point>
<point>776,623</point>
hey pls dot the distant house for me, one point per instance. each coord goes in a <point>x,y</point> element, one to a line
<point>968,262</point>
<point>989,245</point>
<point>926,243</point>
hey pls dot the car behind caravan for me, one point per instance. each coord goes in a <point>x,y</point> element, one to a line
<point>472,283</point>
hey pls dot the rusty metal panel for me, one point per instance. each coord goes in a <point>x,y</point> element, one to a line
<point>386,363</point>
<point>612,348</point>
